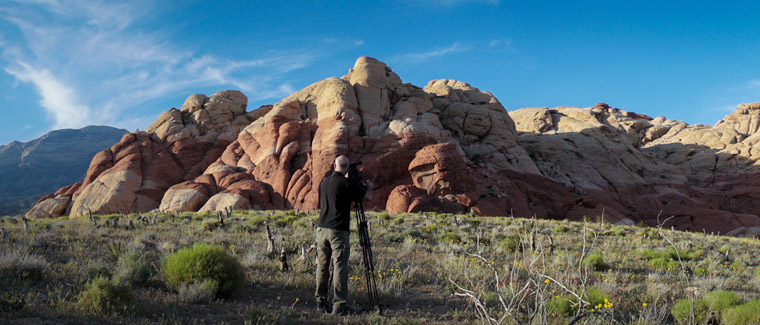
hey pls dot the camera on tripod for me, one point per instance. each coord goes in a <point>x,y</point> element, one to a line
<point>354,173</point>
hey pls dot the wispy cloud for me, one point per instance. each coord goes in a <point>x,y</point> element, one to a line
<point>94,62</point>
<point>58,99</point>
<point>494,43</point>
<point>439,52</point>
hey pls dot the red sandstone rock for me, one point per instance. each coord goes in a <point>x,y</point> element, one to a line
<point>448,147</point>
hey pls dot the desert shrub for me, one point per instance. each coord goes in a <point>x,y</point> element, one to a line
<point>511,244</point>
<point>451,237</point>
<point>748,313</point>
<point>757,272</point>
<point>685,255</point>
<point>490,298</point>
<point>22,263</point>
<point>650,254</point>
<point>210,224</point>
<point>596,262</point>
<point>430,229</point>
<point>132,269</point>
<point>568,305</point>
<point>42,226</point>
<point>724,249</point>
<point>705,309</point>
<point>560,228</point>
<point>562,305</point>
<point>738,266</point>
<point>202,262</point>
<point>414,233</point>
<point>11,301</point>
<point>384,216</point>
<point>615,231</point>
<point>242,228</point>
<point>198,292</point>
<point>474,222</point>
<point>97,269</point>
<point>398,220</point>
<point>648,233</point>
<point>664,264</point>
<point>681,311</point>
<point>700,271</point>
<point>103,295</point>
<point>394,237</point>
<point>114,249</point>
<point>257,220</point>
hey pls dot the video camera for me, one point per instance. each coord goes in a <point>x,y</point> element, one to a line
<point>354,173</point>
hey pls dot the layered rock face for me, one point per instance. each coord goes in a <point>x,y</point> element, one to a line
<point>370,115</point>
<point>447,147</point>
<point>134,174</point>
<point>637,168</point>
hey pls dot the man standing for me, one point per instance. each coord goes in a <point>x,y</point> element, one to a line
<point>337,192</point>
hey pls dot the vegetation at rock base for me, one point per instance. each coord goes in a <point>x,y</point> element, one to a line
<point>432,268</point>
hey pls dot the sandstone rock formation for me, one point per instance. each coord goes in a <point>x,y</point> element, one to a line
<point>134,173</point>
<point>447,147</point>
<point>637,167</point>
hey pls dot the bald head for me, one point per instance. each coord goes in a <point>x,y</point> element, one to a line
<point>341,164</point>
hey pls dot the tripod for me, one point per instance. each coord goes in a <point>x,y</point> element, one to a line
<point>369,261</point>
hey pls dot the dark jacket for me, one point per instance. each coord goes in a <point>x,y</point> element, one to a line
<point>336,193</point>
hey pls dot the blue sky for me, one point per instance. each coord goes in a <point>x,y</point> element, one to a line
<point>69,63</point>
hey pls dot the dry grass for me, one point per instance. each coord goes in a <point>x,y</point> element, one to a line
<point>430,269</point>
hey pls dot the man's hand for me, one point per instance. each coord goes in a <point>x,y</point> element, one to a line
<point>369,186</point>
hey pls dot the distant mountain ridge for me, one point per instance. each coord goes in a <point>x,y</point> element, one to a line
<point>31,169</point>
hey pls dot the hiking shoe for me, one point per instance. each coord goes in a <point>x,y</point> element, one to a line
<point>323,307</point>
<point>344,310</point>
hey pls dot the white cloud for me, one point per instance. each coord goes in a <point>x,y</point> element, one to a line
<point>427,55</point>
<point>59,100</point>
<point>92,62</point>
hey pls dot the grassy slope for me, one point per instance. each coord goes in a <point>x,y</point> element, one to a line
<point>420,260</point>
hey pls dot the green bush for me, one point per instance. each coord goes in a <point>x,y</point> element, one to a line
<point>398,220</point>
<point>102,295</point>
<point>257,220</point>
<point>431,228</point>
<point>738,266</point>
<point>210,224</point>
<point>748,313</point>
<point>384,216</point>
<point>511,244</point>
<point>681,311</point>
<point>490,298</point>
<point>199,292</point>
<point>394,237</point>
<point>132,269</point>
<point>203,262</point>
<point>451,238</point>
<point>650,254</point>
<point>568,305</point>
<point>757,273</point>
<point>596,262</point>
<point>560,228</point>
<point>707,309</point>
<point>474,222</point>
<point>11,301</point>
<point>414,233</point>
<point>685,255</point>
<point>664,264</point>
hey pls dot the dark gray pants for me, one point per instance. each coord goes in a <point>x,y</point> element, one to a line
<point>333,245</point>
